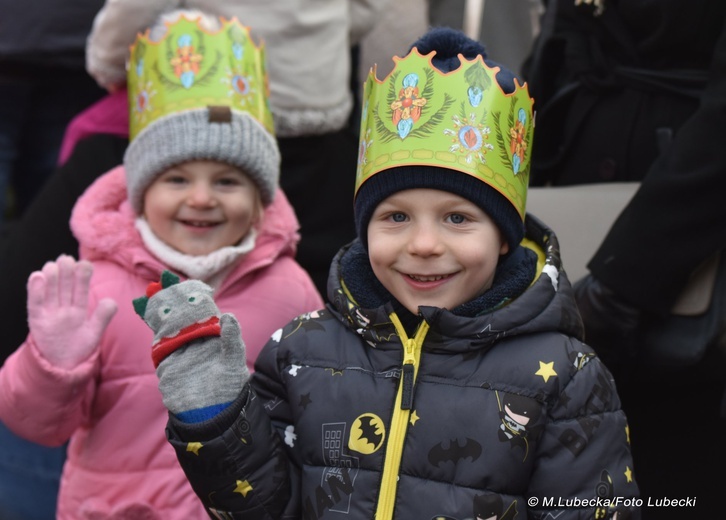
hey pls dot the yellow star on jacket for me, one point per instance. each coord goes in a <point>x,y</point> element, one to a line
<point>546,370</point>
<point>194,447</point>
<point>243,487</point>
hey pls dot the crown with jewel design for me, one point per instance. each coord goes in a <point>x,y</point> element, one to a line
<point>191,68</point>
<point>460,120</point>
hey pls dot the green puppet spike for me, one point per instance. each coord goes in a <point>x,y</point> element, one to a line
<point>140,305</point>
<point>167,280</point>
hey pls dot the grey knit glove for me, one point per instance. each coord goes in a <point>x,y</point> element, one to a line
<point>198,354</point>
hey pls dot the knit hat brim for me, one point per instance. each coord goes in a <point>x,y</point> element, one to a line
<point>191,135</point>
<point>386,183</point>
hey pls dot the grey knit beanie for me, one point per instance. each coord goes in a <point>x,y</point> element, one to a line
<point>212,133</point>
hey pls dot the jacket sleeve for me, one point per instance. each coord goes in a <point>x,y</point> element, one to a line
<point>675,220</point>
<point>42,403</point>
<point>363,15</point>
<point>237,463</point>
<point>114,30</point>
<point>586,444</point>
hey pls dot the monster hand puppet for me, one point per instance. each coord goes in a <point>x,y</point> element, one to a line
<point>198,352</point>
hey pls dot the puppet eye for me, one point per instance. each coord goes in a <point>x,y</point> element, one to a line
<point>164,312</point>
<point>195,298</point>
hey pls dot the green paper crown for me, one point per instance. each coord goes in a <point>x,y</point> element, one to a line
<point>191,68</point>
<point>461,120</point>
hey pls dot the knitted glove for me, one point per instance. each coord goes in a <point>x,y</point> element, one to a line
<point>199,358</point>
<point>611,323</point>
<point>60,323</point>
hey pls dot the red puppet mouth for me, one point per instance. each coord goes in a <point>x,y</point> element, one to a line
<point>166,345</point>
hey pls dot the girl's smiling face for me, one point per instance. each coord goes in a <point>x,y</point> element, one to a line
<point>198,207</point>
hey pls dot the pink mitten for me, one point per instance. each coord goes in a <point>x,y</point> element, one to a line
<point>60,322</point>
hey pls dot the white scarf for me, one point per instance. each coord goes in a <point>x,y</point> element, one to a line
<point>207,268</point>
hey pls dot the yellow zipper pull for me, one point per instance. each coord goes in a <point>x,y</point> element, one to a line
<point>408,375</point>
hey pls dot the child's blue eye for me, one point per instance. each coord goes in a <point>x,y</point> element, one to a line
<point>457,219</point>
<point>398,217</point>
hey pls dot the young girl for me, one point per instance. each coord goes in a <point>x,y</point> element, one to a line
<point>197,194</point>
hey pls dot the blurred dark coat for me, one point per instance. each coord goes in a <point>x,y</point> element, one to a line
<point>638,93</point>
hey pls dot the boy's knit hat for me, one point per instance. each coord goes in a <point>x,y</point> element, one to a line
<point>441,122</point>
<point>199,94</point>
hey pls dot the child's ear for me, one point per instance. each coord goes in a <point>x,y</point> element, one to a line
<point>504,249</point>
<point>259,212</point>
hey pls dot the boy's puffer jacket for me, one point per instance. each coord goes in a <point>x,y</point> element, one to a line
<point>510,416</point>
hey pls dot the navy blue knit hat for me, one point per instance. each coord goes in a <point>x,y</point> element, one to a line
<point>448,44</point>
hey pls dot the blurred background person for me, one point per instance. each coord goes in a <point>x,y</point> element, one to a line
<point>505,27</point>
<point>43,85</point>
<point>636,91</point>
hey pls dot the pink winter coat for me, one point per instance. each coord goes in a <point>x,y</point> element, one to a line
<point>119,463</point>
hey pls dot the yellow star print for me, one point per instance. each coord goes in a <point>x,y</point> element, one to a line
<point>243,487</point>
<point>628,474</point>
<point>546,370</point>
<point>414,417</point>
<point>194,447</point>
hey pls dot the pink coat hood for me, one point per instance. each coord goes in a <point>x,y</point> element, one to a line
<point>119,464</point>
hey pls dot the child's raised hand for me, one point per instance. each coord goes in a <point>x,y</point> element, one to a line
<point>64,329</point>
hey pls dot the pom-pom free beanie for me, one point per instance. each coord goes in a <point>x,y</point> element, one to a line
<point>448,44</point>
<point>212,133</point>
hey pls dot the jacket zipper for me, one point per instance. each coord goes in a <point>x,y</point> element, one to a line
<point>401,415</point>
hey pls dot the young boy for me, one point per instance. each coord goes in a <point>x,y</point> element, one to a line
<point>447,378</point>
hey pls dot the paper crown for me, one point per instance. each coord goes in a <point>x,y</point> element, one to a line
<point>460,120</point>
<point>192,67</point>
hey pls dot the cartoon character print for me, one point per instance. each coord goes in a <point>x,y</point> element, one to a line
<point>361,322</point>
<point>488,507</point>
<point>519,420</point>
<point>308,322</point>
<point>580,359</point>
<point>491,507</point>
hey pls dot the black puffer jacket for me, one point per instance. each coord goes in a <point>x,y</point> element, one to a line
<point>501,415</point>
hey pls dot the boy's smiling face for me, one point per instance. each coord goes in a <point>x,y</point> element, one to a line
<point>433,248</point>
<point>198,207</point>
